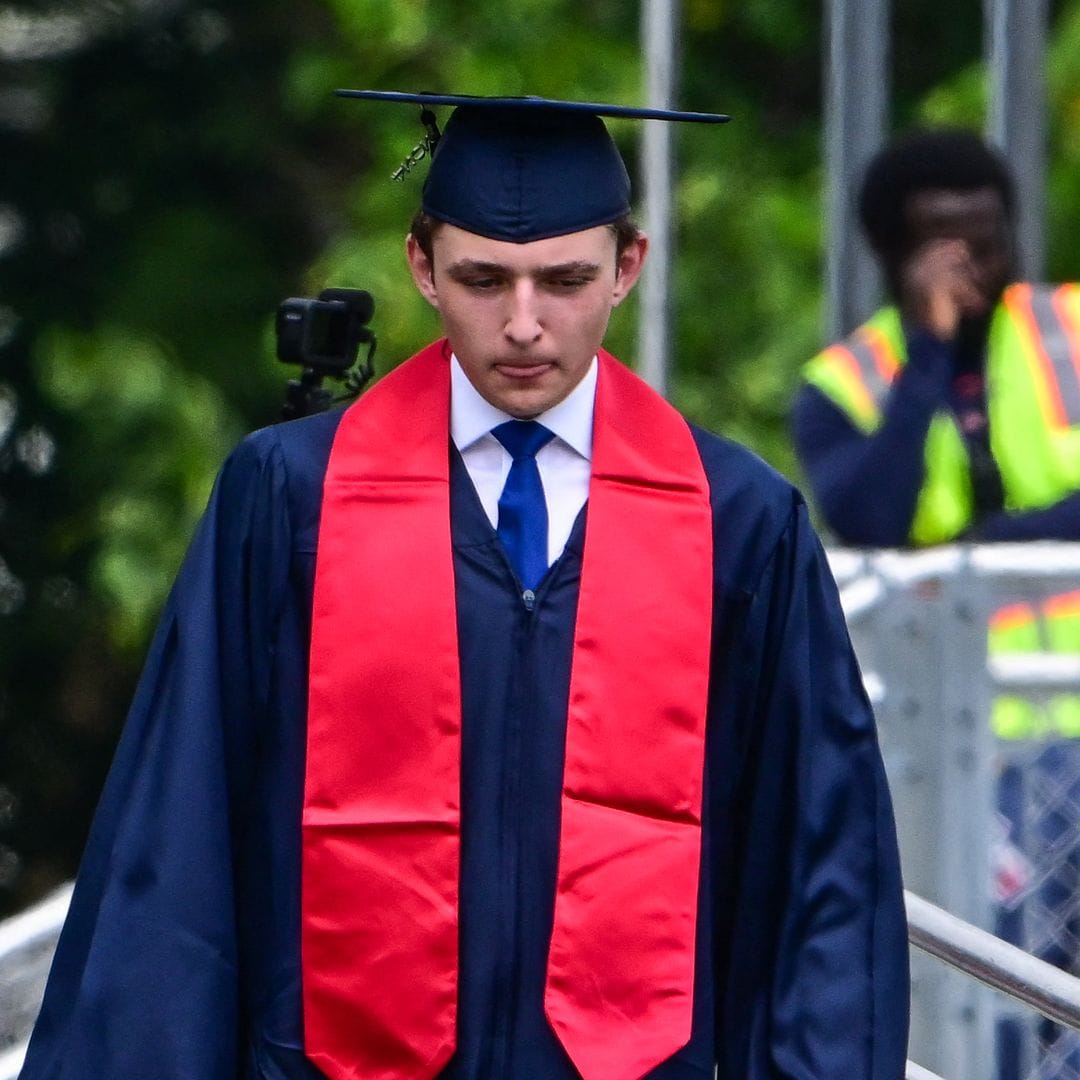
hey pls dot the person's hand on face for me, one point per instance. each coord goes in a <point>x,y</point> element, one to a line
<point>959,258</point>
<point>940,287</point>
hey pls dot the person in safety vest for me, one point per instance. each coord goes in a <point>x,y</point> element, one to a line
<point>501,725</point>
<point>954,414</point>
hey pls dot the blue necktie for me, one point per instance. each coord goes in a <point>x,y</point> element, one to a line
<point>523,521</point>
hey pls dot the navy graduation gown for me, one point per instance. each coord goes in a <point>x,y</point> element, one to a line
<point>180,958</point>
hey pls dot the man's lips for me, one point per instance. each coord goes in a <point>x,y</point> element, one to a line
<point>524,371</point>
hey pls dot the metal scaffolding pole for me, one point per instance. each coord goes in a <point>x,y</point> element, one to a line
<point>1016,32</point>
<point>857,82</point>
<point>658,43</point>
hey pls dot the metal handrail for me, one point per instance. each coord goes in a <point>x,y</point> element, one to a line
<point>11,1062</point>
<point>869,581</point>
<point>28,930</point>
<point>917,1072</point>
<point>45,920</point>
<point>996,963</point>
<point>39,923</point>
<point>979,954</point>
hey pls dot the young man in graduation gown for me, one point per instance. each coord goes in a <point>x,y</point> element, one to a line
<point>501,726</point>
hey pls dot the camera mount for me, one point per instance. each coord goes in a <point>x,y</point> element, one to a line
<point>324,336</point>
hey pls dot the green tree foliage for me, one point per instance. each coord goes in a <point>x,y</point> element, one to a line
<point>172,169</point>
<point>158,197</point>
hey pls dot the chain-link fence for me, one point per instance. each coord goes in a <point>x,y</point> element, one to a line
<point>971,659</point>
<point>1038,874</point>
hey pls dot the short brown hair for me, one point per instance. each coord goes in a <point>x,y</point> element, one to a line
<point>424,227</point>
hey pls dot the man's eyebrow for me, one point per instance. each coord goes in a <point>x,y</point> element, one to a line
<point>465,267</point>
<point>475,266</point>
<point>580,266</point>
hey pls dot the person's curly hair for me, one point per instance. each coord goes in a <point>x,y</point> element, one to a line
<point>949,159</point>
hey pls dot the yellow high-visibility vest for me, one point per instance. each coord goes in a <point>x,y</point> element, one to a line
<point>1033,402</point>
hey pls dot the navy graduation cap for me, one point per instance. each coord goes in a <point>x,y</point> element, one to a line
<point>524,168</point>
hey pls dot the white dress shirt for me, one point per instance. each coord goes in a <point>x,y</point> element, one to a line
<point>564,463</point>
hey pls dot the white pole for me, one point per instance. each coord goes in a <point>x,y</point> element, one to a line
<point>658,41</point>
<point>856,117</point>
<point>1016,33</point>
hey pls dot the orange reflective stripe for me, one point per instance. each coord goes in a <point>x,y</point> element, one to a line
<point>1018,300</point>
<point>873,360</point>
<point>1011,617</point>
<point>1059,344</point>
<point>1068,321</point>
<point>1062,606</point>
<point>884,354</point>
<point>1051,351</point>
<point>847,369</point>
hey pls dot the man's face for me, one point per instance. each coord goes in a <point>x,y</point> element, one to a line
<point>525,320</point>
<point>977,219</point>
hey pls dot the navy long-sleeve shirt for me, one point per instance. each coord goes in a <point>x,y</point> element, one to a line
<point>867,486</point>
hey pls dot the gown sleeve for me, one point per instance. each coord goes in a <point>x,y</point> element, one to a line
<point>818,982</point>
<point>867,485</point>
<point>145,978</point>
<point>1059,521</point>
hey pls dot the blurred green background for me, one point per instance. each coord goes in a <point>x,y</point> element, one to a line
<point>170,170</point>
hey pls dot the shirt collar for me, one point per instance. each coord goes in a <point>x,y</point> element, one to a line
<point>472,417</point>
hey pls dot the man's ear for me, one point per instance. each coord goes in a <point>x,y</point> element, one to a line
<point>423,271</point>
<point>628,267</point>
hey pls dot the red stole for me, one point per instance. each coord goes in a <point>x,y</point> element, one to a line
<point>381,820</point>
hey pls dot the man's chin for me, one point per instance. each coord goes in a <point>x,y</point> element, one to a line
<point>524,406</point>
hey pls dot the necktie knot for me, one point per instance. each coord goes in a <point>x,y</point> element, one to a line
<point>522,438</point>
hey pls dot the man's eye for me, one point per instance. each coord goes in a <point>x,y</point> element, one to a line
<point>482,284</point>
<point>569,283</point>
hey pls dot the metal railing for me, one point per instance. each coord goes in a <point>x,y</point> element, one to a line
<point>975,952</point>
<point>27,943</point>
<point>994,963</point>
<point>918,620</point>
<point>988,820</point>
<point>917,1072</point>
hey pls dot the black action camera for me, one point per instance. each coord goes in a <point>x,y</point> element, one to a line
<point>324,337</point>
<point>324,334</point>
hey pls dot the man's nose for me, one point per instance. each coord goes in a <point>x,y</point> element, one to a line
<point>523,325</point>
